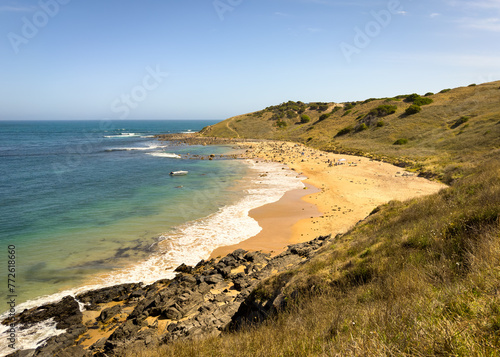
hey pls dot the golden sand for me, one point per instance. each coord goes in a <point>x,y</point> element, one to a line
<point>348,189</point>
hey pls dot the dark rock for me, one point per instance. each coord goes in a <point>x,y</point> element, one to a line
<point>173,314</point>
<point>214,279</point>
<point>104,295</point>
<point>123,332</point>
<point>108,313</point>
<point>183,268</point>
<point>65,313</point>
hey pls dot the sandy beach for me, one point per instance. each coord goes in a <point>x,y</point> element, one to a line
<point>341,191</point>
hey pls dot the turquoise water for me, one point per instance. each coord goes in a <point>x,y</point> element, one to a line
<point>79,198</point>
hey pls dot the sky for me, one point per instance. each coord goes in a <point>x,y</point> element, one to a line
<point>213,59</point>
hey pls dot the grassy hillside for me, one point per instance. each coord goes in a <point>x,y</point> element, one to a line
<point>415,278</point>
<point>453,126</point>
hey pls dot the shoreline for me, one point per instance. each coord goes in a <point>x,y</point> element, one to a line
<point>336,198</point>
<point>277,220</point>
<point>346,190</point>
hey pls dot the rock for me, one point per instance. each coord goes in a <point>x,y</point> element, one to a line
<point>65,313</point>
<point>108,313</point>
<point>214,279</point>
<point>173,314</point>
<point>183,268</point>
<point>104,295</point>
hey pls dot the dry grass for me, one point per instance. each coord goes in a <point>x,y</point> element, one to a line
<point>434,143</point>
<point>416,278</point>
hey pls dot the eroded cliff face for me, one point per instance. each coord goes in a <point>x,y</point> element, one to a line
<point>201,301</point>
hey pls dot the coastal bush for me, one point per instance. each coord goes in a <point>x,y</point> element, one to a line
<point>322,107</point>
<point>323,117</point>
<point>428,94</point>
<point>401,142</point>
<point>472,85</point>
<point>345,131</point>
<point>291,114</point>
<point>380,123</point>
<point>361,127</point>
<point>418,100</point>
<point>335,109</point>
<point>383,110</point>
<point>422,101</point>
<point>348,106</point>
<point>413,109</point>
<point>460,121</point>
<point>347,113</point>
<point>305,119</point>
<point>281,124</point>
<point>445,90</point>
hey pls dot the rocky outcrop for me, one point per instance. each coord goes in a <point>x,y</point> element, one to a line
<point>201,301</point>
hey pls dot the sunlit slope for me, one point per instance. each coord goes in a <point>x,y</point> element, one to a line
<point>451,126</point>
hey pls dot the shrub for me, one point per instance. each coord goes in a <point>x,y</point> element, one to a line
<point>412,97</point>
<point>305,119</point>
<point>347,113</point>
<point>428,94</point>
<point>323,117</point>
<point>418,100</point>
<point>313,107</point>
<point>422,101</point>
<point>290,114</point>
<point>401,142</point>
<point>281,124</point>
<point>349,106</point>
<point>322,107</point>
<point>460,121</point>
<point>383,110</point>
<point>335,109</point>
<point>344,131</point>
<point>445,90</point>
<point>380,123</point>
<point>361,127</point>
<point>413,109</point>
<point>472,85</point>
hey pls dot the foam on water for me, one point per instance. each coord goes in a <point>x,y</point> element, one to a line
<point>164,154</point>
<point>188,243</point>
<point>30,338</point>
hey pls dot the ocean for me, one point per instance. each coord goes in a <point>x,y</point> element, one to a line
<point>89,204</point>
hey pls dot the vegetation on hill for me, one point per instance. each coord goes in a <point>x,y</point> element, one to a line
<point>437,139</point>
<point>415,278</point>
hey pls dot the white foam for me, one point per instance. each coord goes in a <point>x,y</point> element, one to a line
<point>190,242</point>
<point>122,135</point>
<point>133,148</point>
<point>30,338</point>
<point>164,154</point>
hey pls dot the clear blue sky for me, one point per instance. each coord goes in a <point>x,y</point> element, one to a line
<point>93,59</point>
